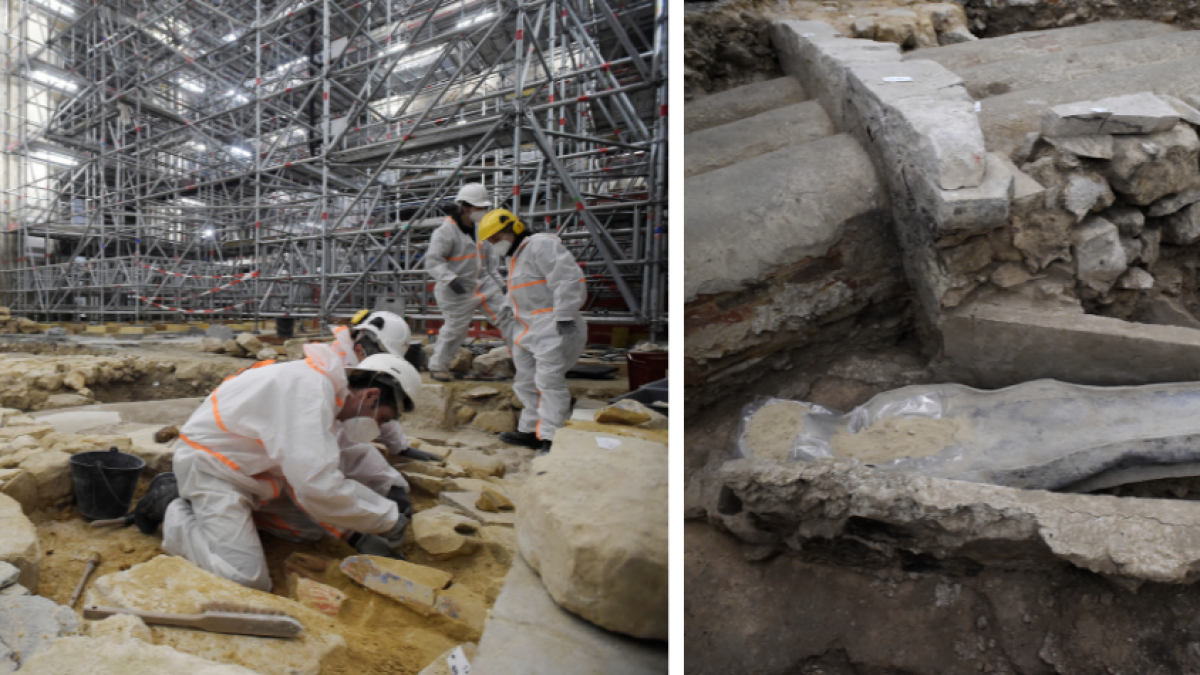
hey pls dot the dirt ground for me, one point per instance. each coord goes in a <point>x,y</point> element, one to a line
<point>382,636</point>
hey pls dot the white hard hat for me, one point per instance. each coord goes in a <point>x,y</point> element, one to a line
<point>389,329</point>
<point>475,195</point>
<point>401,371</point>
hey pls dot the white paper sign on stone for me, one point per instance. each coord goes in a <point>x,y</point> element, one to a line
<point>897,79</point>
<point>607,443</point>
<point>458,662</point>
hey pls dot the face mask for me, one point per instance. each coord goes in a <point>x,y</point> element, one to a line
<point>477,216</point>
<point>361,429</point>
<point>501,248</point>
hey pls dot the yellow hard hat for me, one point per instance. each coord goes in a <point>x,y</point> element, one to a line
<point>496,221</point>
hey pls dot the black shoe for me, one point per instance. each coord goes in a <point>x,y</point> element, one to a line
<point>526,439</point>
<point>152,508</point>
<point>370,544</point>
<point>545,447</point>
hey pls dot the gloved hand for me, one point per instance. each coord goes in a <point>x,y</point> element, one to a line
<point>395,536</point>
<point>370,544</point>
<point>566,328</point>
<point>457,287</point>
<point>413,453</point>
<point>400,496</point>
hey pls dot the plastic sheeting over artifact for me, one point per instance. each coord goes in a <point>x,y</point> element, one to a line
<point>1037,435</point>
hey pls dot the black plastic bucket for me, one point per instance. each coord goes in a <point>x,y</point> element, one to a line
<point>285,326</point>
<point>105,482</point>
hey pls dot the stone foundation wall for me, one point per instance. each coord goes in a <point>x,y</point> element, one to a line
<point>991,18</point>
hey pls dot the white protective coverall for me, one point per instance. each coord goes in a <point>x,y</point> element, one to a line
<point>545,286</point>
<point>391,434</point>
<point>455,255</point>
<point>265,451</point>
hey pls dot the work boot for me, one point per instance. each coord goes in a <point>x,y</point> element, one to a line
<point>545,447</point>
<point>152,507</point>
<point>440,375</point>
<point>526,439</point>
<point>370,544</point>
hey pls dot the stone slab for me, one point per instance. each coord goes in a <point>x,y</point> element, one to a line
<point>76,422</point>
<point>29,624</point>
<point>465,503</point>
<point>414,586</point>
<point>737,141</point>
<point>794,204</point>
<point>991,346</point>
<point>1040,42</point>
<point>171,584</point>
<point>106,656</point>
<point>740,103</point>
<point>1006,119</point>
<point>1015,74</point>
<point>1137,540</point>
<point>18,541</point>
<point>528,634</point>
<point>1140,113</point>
<point>979,208</point>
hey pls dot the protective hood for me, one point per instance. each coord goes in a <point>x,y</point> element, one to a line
<point>327,362</point>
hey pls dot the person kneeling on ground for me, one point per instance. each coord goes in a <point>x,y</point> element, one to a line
<point>286,449</point>
<point>371,333</point>
<point>547,292</point>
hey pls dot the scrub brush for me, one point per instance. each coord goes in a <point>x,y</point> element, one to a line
<point>215,617</point>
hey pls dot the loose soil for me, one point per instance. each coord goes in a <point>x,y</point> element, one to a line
<point>901,438</point>
<point>773,428</point>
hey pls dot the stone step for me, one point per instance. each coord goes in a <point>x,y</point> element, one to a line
<point>756,217</point>
<point>993,346</point>
<point>1006,119</point>
<point>1002,77</point>
<point>1035,43</point>
<point>728,144</point>
<point>746,101</point>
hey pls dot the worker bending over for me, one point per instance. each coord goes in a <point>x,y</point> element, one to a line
<point>464,270</point>
<point>286,449</point>
<point>546,290</point>
<point>368,334</point>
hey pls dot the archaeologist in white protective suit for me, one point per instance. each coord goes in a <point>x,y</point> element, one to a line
<point>464,269</point>
<point>371,333</point>
<point>286,449</point>
<point>547,291</point>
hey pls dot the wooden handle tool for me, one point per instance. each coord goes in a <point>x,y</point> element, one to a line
<point>92,563</point>
<point>214,618</point>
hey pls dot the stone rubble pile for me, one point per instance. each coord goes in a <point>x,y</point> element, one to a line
<point>1105,215</point>
<point>927,25</point>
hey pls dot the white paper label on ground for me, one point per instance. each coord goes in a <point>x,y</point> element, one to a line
<point>607,443</point>
<point>458,662</point>
<point>897,79</point>
<point>1100,110</point>
<point>807,34</point>
<point>978,106</point>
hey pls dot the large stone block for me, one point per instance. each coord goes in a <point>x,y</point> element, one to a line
<point>18,542</point>
<point>1146,168</point>
<point>170,584</point>
<point>432,408</point>
<point>1141,113</point>
<point>1133,539</point>
<point>525,620</point>
<point>1099,256</point>
<point>45,480</point>
<point>1182,227</point>
<point>603,558</point>
<point>445,533</point>
<point>799,200</point>
<point>107,656</point>
<point>752,99</point>
<point>766,132</point>
<point>30,624</point>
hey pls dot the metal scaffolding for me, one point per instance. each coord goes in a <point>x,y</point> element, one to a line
<point>291,157</point>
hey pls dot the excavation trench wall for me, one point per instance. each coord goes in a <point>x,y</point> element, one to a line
<point>991,18</point>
